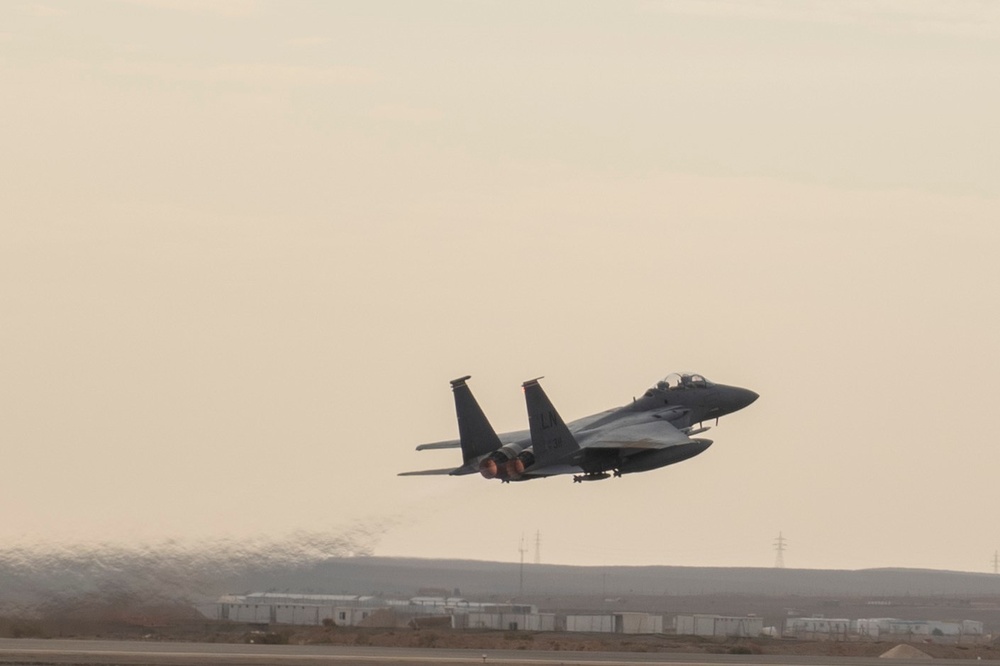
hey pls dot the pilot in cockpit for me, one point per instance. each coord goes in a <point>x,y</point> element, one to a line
<point>670,382</point>
<point>675,381</point>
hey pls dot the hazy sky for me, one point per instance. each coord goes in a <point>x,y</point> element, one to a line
<point>245,245</point>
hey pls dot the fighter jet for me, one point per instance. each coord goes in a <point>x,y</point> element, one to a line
<point>653,431</point>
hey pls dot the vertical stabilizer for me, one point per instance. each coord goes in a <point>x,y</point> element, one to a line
<point>551,440</point>
<point>474,430</point>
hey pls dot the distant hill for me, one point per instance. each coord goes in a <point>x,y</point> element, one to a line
<point>33,578</point>
<point>404,576</point>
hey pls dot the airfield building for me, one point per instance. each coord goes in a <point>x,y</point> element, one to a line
<point>355,610</point>
<point>822,628</point>
<point>818,628</point>
<point>891,627</point>
<point>617,623</point>
<point>718,625</point>
<point>507,621</point>
<point>283,608</point>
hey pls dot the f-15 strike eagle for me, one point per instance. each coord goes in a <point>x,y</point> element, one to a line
<point>653,431</point>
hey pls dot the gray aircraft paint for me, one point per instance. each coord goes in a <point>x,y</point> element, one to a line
<point>652,431</point>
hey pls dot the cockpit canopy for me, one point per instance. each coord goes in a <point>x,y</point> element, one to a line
<point>682,380</point>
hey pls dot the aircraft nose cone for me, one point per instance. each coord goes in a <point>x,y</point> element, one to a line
<point>741,397</point>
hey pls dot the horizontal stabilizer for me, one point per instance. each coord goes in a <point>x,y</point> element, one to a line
<point>431,472</point>
<point>551,440</point>
<point>447,444</point>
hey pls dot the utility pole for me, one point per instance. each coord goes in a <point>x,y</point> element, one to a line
<point>779,547</point>
<point>996,562</point>
<point>521,549</point>
<point>538,547</point>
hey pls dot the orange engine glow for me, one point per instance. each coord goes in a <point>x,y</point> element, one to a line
<point>488,468</point>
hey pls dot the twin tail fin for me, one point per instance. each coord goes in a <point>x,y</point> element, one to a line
<point>475,432</point>
<point>551,439</point>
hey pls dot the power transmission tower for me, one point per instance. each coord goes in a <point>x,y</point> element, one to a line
<point>521,549</point>
<point>779,547</point>
<point>538,547</point>
<point>996,562</point>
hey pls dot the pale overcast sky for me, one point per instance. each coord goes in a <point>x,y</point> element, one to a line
<point>245,245</point>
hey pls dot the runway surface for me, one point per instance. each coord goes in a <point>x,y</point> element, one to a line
<point>134,653</point>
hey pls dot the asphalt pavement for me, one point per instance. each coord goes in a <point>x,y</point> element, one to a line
<point>39,652</point>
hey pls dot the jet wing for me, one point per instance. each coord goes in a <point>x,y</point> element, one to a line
<point>655,435</point>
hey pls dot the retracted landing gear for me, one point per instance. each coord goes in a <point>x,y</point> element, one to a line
<point>592,476</point>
